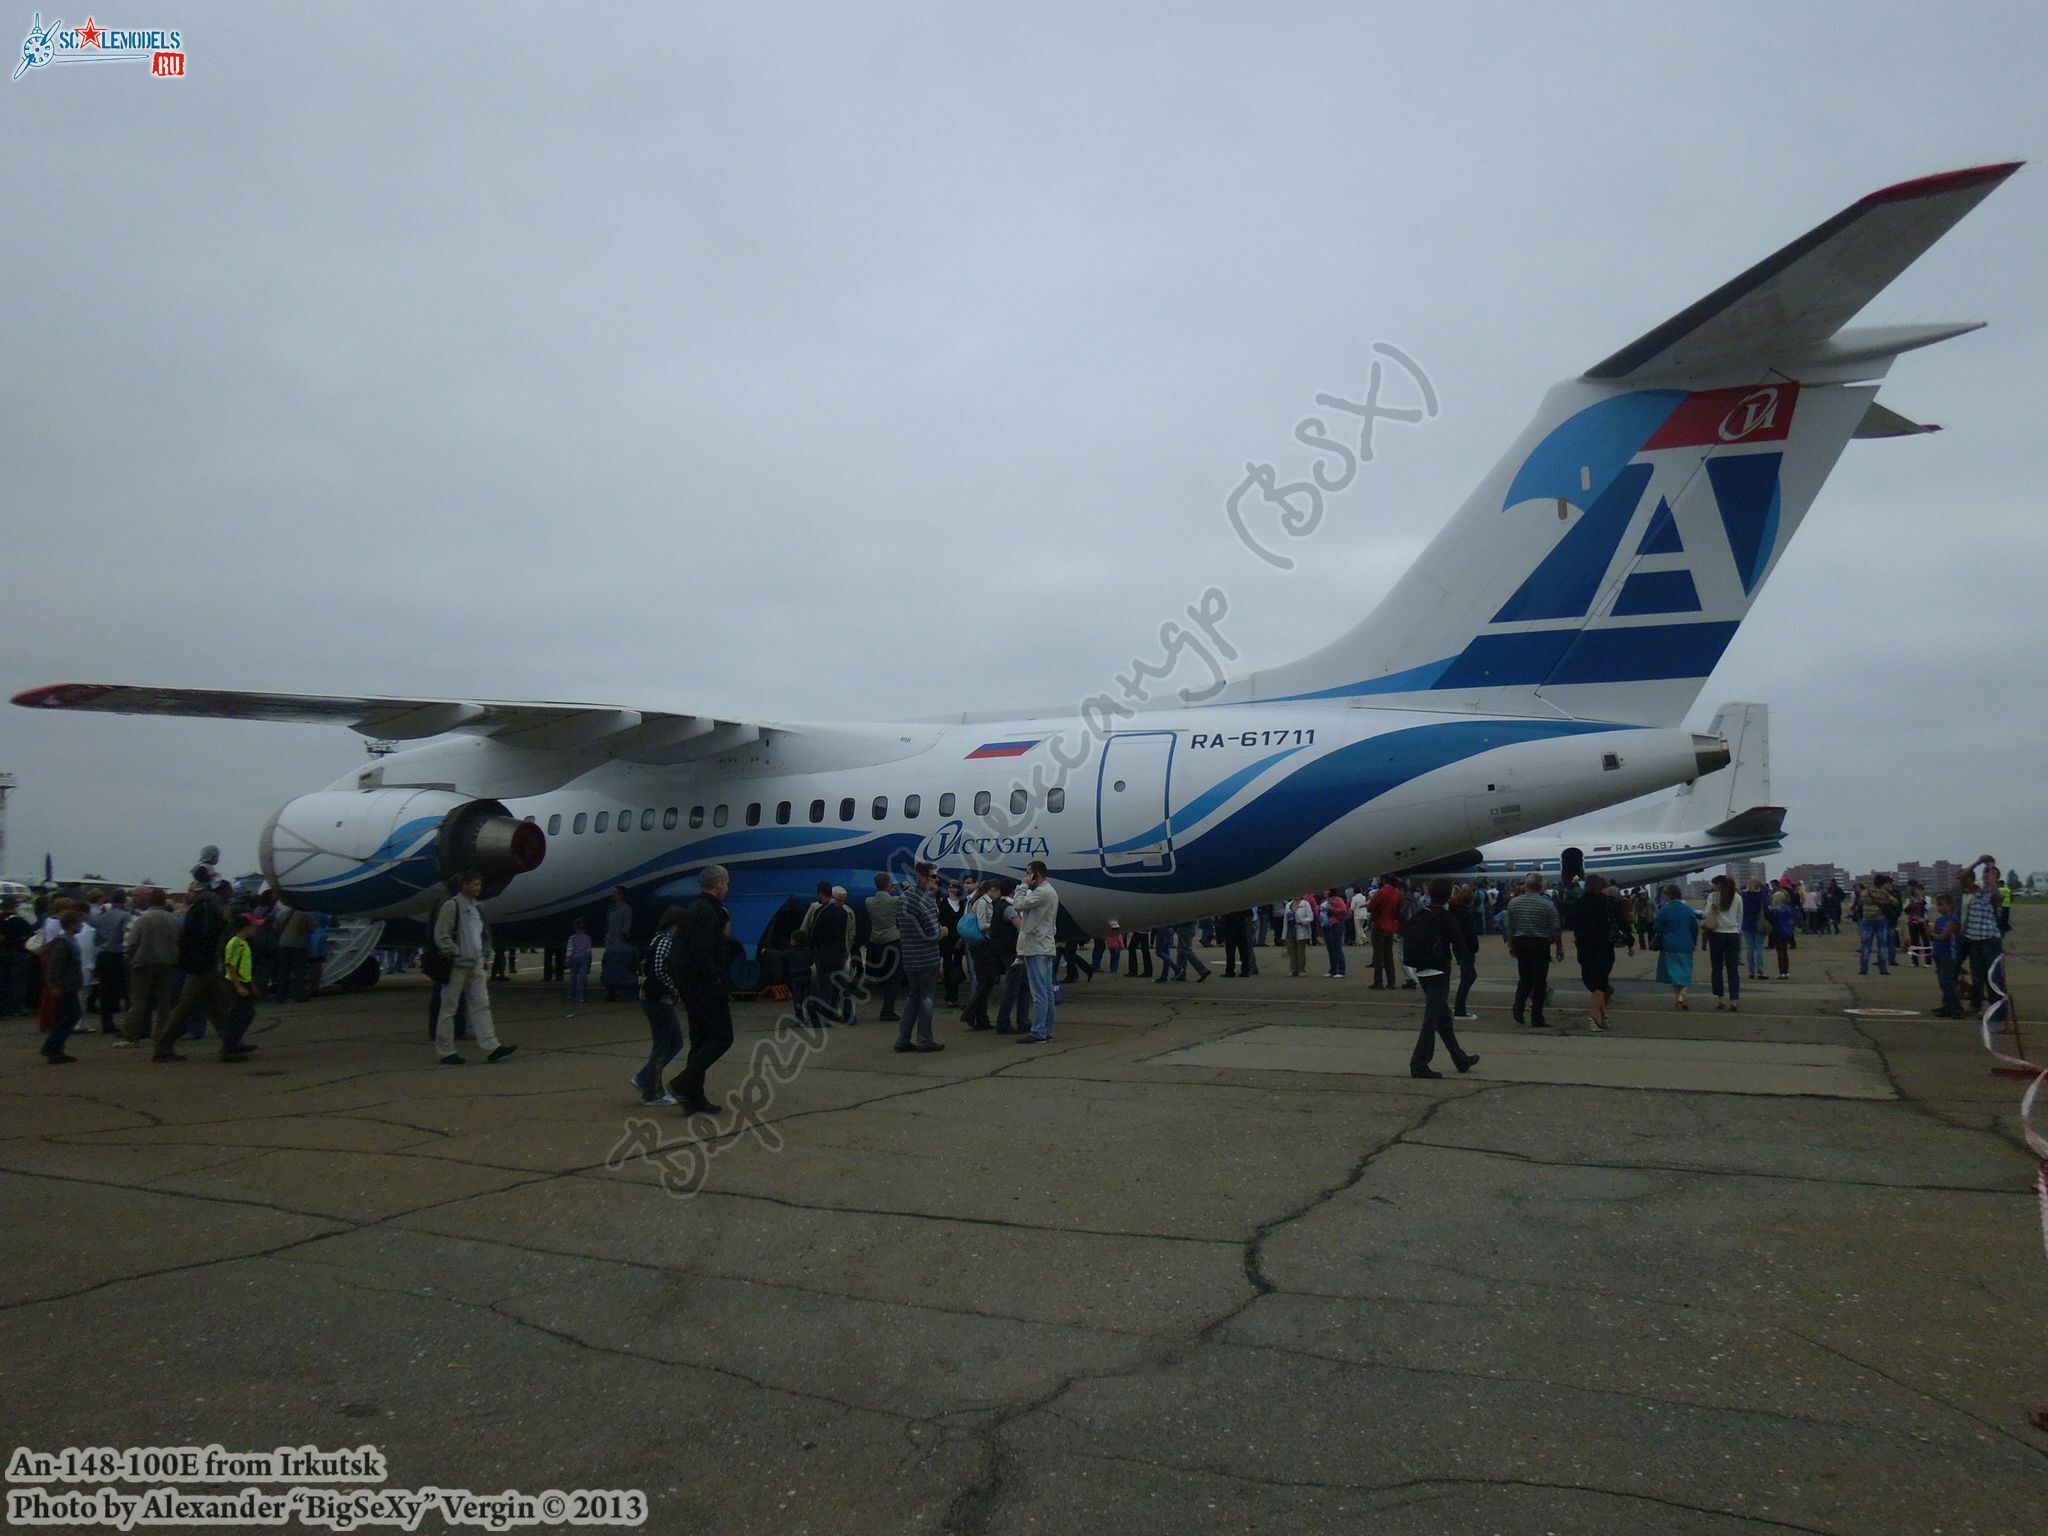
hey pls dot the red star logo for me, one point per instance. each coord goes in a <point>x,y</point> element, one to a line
<point>89,34</point>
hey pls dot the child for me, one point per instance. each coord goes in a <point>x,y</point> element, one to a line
<point>1114,943</point>
<point>238,970</point>
<point>1947,956</point>
<point>579,964</point>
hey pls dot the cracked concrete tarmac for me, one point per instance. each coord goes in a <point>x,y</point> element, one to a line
<point>1125,1280</point>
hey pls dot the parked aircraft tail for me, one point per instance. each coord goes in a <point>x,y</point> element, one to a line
<point>1759,821</point>
<point>1721,798</point>
<point>1604,565</point>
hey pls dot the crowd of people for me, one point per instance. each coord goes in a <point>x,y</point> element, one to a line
<point>160,967</point>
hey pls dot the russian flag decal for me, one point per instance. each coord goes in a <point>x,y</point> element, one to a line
<point>1004,748</point>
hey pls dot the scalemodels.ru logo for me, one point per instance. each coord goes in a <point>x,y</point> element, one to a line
<point>163,50</point>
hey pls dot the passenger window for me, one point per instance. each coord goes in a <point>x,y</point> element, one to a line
<point>754,814</point>
<point>846,809</point>
<point>982,802</point>
<point>582,820</point>
<point>647,819</point>
<point>817,810</point>
<point>669,818</point>
<point>718,817</point>
<point>946,803</point>
<point>782,813</point>
<point>1020,802</point>
<point>625,821</point>
<point>881,807</point>
<point>1055,800</point>
<point>696,817</point>
<point>603,822</point>
<point>912,804</point>
<point>554,826</point>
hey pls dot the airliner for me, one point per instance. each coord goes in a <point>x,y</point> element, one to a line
<point>1671,837</point>
<point>1533,665</point>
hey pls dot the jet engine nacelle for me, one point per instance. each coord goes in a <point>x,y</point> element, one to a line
<point>373,853</point>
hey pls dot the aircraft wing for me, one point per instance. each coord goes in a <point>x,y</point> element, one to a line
<point>1786,310</point>
<point>646,736</point>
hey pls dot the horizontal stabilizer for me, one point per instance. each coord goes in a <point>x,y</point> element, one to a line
<point>644,736</point>
<point>1790,304</point>
<point>1881,421</point>
<point>1757,821</point>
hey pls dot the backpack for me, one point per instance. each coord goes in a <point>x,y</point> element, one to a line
<point>1410,905</point>
<point>1424,945</point>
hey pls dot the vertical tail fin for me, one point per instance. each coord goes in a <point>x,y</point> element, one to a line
<point>1604,565</point>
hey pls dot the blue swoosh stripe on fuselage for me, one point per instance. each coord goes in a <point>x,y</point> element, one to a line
<point>1198,809</point>
<point>1283,817</point>
<point>387,887</point>
<point>743,844</point>
<point>402,844</point>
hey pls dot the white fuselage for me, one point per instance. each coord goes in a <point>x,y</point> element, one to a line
<point>1187,812</point>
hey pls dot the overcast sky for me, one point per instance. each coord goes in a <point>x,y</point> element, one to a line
<point>686,357</point>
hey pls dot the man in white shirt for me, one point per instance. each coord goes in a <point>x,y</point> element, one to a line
<point>1037,909</point>
<point>463,936</point>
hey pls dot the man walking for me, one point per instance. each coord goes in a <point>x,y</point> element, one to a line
<point>1383,910</point>
<point>1038,910</point>
<point>14,958</point>
<point>462,934</point>
<point>110,937</point>
<point>1983,939</point>
<point>831,933</point>
<point>918,935</point>
<point>700,943</point>
<point>884,952</point>
<point>1433,938</point>
<point>661,997</point>
<point>202,939</point>
<point>151,950</point>
<point>1533,929</point>
<point>64,980</point>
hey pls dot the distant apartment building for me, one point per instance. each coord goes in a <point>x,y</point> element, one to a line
<point>1742,871</point>
<point>1819,875</point>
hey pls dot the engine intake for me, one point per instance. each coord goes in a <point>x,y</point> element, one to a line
<point>489,839</point>
<point>374,853</point>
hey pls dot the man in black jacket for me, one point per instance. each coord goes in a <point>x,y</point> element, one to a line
<point>201,938</point>
<point>830,926</point>
<point>1430,941</point>
<point>698,965</point>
